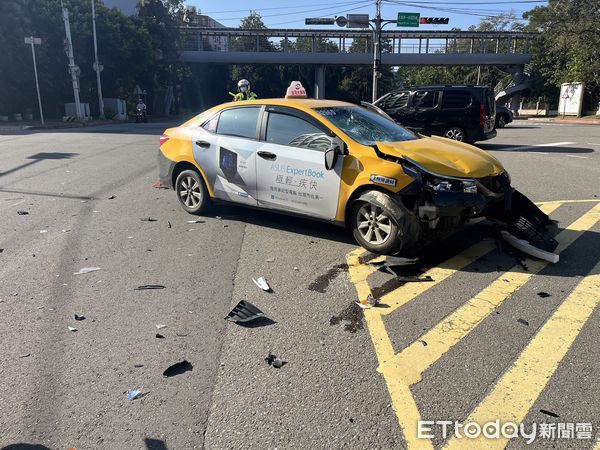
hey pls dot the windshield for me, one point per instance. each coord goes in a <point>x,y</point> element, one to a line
<point>364,126</point>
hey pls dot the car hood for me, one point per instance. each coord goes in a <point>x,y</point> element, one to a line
<point>445,156</point>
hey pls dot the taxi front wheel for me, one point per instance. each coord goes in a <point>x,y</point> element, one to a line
<point>191,192</point>
<point>374,229</point>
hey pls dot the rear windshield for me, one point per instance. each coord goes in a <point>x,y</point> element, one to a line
<point>364,126</point>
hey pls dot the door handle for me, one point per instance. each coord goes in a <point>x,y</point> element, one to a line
<point>203,144</point>
<point>267,155</point>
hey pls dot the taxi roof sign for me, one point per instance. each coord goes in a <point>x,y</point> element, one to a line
<point>295,90</point>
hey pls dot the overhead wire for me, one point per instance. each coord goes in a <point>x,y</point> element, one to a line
<point>300,12</point>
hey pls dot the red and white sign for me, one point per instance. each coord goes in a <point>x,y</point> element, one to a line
<point>295,90</point>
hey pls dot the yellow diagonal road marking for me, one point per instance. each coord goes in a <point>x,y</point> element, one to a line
<point>516,392</point>
<point>410,364</point>
<point>403,402</point>
<point>406,293</point>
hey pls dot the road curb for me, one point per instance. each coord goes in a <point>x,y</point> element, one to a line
<point>557,120</point>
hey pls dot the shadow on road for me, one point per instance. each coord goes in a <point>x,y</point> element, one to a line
<point>527,148</point>
<point>40,157</point>
<point>155,444</point>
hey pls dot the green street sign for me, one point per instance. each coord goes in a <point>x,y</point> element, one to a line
<point>408,19</point>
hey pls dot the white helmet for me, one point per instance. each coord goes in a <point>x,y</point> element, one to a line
<point>244,85</point>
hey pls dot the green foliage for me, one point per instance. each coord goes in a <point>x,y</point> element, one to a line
<point>133,50</point>
<point>567,47</point>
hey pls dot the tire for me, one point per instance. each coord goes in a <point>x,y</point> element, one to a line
<point>374,229</point>
<point>191,192</point>
<point>501,121</point>
<point>455,133</point>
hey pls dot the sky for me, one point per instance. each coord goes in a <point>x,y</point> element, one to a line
<point>291,14</point>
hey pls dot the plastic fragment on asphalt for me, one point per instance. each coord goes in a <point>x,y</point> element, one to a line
<point>86,270</point>
<point>148,219</point>
<point>24,355</point>
<point>169,223</point>
<point>159,185</point>
<point>195,221</point>
<point>160,326</point>
<point>526,247</point>
<point>543,294</point>
<point>270,260</point>
<point>72,329</point>
<point>23,213</point>
<point>274,361</point>
<point>148,287</point>
<point>78,317</point>
<point>159,336</point>
<point>178,369</point>
<point>423,342</point>
<point>368,303</point>
<point>523,321</point>
<point>111,197</point>
<point>182,332</point>
<point>414,279</point>
<point>43,231</point>
<point>133,394</point>
<point>262,284</point>
<point>244,312</point>
<point>549,413</point>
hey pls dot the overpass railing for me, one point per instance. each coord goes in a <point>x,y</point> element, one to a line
<point>352,41</point>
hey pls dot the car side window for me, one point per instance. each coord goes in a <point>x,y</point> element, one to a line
<point>285,129</point>
<point>453,99</point>
<point>211,124</point>
<point>425,99</point>
<point>239,121</point>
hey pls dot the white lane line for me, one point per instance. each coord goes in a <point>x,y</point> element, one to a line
<point>528,147</point>
<point>540,153</point>
<point>593,143</point>
<point>577,156</point>
<point>555,144</point>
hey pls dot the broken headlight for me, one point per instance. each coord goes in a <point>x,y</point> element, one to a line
<point>436,182</point>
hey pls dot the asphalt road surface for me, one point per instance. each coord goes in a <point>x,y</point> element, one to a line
<point>476,343</point>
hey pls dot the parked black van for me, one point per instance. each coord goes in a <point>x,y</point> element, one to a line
<point>463,113</point>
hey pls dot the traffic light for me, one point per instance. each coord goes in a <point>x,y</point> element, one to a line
<point>434,20</point>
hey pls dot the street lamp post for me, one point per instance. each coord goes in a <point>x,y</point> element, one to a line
<point>36,41</point>
<point>376,48</point>
<point>97,65</point>
<point>73,69</point>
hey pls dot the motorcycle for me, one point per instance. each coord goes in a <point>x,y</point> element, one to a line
<point>140,115</point>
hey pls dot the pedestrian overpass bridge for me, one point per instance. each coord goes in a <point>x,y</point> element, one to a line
<point>343,47</point>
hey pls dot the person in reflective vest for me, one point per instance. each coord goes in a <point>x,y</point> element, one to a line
<point>244,92</point>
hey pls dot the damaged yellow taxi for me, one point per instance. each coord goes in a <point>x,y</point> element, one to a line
<point>343,163</point>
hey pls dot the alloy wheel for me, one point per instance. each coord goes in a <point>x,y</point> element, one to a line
<point>374,225</point>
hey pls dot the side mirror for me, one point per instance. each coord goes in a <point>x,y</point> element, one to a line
<point>331,155</point>
<point>331,158</point>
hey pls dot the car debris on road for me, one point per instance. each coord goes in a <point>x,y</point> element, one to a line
<point>368,303</point>
<point>178,369</point>
<point>133,394</point>
<point>261,282</point>
<point>86,270</point>
<point>275,361</point>
<point>244,311</point>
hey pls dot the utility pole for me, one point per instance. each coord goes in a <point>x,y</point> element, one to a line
<point>36,41</point>
<point>97,66</point>
<point>73,69</point>
<point>376,47</point>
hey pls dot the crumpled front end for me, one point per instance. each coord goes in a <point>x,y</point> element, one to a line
<point>441,203</point>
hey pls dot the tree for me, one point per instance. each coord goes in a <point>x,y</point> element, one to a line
<point>567,48</point>
<point>264,79</point>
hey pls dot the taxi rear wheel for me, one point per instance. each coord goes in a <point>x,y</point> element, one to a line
<point>192,192</point>
<point>374,229</point>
